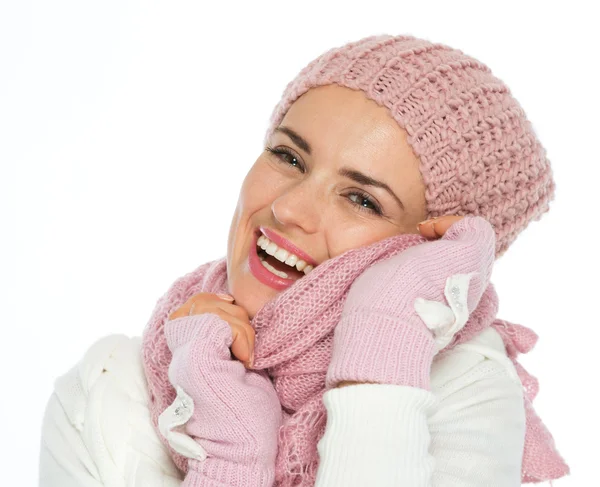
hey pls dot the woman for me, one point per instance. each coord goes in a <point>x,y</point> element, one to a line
<point>338,343</point>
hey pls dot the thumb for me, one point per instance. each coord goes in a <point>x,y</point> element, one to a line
<point>240,346</point>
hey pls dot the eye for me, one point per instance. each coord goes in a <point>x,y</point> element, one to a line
<point>365,197</point>
<point>285,155</point>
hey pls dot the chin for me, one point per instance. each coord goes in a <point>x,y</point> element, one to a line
<point>249,294</point>
<point>251,303</point>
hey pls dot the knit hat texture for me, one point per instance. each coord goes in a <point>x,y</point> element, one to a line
<point>479,154</point>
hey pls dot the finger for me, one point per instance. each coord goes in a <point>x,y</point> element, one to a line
<point>444,223</point>
<point>240,346</point>
<point>233,309</point>
<point>242,331</point>
<point>199,302</point>
<point>183,310</point>
<point>236,316</point>
<point>241,315</point>
<point>437,226</point>
<point>426,228</point>
<point>248,330</point>
<point>251,340</point>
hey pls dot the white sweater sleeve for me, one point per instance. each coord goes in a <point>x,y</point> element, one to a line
<point>469,431</point>
<point>97,431</point>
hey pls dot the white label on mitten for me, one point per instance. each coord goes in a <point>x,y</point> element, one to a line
<point>175,415</point>
<point>442,320</point>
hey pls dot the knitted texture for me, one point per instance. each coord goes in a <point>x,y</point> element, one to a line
<point>478,152</point>
<point>380,320</point>
<point>235,412</point>
<point>294,338</point>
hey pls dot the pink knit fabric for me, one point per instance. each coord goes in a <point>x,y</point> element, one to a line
<point>478,152</point>
<point>234,411</point>
<point>380,322</point>
<point>294,336</point>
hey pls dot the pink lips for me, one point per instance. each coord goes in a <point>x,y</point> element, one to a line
<point>262,274</point>
<point>287,245</point>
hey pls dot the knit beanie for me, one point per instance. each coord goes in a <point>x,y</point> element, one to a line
<point>478,152</point>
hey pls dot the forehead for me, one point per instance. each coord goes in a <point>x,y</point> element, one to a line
<point>343,125</point>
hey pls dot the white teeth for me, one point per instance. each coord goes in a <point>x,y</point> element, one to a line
<point>271,248</point>
<point>273,270</point>
<point>283,256</point>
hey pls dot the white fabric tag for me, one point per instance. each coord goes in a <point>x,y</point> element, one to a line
<point>446,320</point>
<point>178,413</point>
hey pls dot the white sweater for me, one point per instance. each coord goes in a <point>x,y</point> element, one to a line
<point>468,431</point>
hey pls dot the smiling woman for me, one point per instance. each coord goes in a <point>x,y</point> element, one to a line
<point>330,282</point>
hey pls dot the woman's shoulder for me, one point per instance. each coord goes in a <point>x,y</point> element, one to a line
<point>114,359</point>
<point>98,415</point>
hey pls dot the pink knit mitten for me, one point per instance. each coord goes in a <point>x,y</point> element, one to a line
<point>233,413</point>
<point>395,318</point>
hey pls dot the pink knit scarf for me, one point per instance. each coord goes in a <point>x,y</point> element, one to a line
<point>294,336</point>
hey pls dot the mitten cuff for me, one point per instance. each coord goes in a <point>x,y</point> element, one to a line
<point>216,472</point>
<point>379,348</point>
<point>206,326</point>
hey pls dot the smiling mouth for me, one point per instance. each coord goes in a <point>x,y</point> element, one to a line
<point>274,264</point>
<point>292,272</point>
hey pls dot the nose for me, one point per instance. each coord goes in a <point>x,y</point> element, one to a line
<point>297,206</point>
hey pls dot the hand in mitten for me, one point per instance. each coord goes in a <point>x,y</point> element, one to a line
<point>232,414</point>
<point>395,317</point>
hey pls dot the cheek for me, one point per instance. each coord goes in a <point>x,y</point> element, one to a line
<point>243,209</point>
<point>256,195</point>
<point>347,234</point>
<point>235,222</point>
<point>259,189</point>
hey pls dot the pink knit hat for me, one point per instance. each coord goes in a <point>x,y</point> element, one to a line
<point>479,153</point>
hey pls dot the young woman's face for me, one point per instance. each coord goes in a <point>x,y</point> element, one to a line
<point>310,197</point>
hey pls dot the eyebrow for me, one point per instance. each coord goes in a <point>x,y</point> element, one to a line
<point>365,180</point>
<point>296,138</point>
<point>350,173</point>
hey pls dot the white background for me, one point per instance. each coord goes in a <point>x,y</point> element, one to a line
<point>126,128</point>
